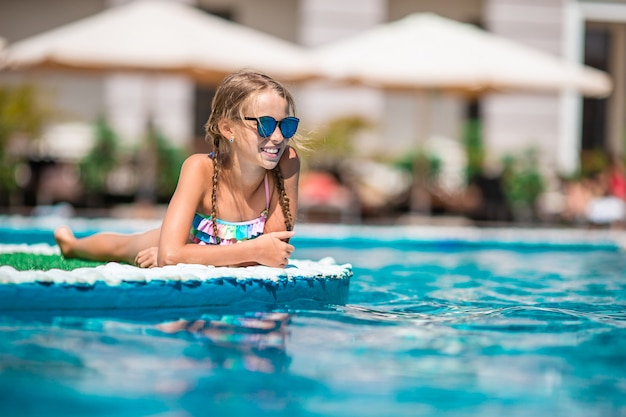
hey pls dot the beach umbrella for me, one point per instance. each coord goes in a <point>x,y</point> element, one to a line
<point>429,52</point>
<point>152,36</point>
<point>426,53</point>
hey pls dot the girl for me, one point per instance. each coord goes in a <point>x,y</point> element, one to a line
<point>244,192</point>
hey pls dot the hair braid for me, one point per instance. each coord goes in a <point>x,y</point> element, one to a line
<point>237,92</point>
<point>284,200</point>
<point>217,166</point>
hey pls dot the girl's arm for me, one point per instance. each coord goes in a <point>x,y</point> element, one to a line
<point>178,218</point>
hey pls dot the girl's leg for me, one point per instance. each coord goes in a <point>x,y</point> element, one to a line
<point>105,246</point>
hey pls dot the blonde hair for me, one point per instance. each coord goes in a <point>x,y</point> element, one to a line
<point>231,97</point>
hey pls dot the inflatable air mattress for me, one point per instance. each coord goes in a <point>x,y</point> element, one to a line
<point>115,286</point>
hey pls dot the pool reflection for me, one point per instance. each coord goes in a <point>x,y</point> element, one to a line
<point>244,342</point>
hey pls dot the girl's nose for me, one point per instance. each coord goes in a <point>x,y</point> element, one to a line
<point>277,136</point>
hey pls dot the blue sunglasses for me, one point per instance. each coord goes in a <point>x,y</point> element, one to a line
<point>266,125</point>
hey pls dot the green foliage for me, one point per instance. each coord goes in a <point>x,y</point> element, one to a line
<point>29,262</point>
<point>169,160</point>
<point>593,162</point>
<point>100,160</point>
<point>21,112</point>
<point>522,179</point>
<point>474,149</point>
<point>7,170</point>
<point>335,140</point>
<point>421,164</point>
<point>106,154</point>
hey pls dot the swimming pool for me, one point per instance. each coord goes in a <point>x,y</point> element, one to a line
<point>440,321</point>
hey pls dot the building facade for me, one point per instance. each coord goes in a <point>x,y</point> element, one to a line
<point>559,125</point>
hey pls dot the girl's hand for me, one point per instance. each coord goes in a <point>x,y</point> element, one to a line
<point>273,250</point>
<point>147,258</point>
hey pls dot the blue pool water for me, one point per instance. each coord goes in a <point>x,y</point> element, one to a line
<point>437,326</point>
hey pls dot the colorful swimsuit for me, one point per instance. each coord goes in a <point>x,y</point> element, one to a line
<point>229,232</point>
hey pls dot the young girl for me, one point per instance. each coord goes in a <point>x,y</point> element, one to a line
<point>244,192</point>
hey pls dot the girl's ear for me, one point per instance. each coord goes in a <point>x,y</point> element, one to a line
<point>226,128</point>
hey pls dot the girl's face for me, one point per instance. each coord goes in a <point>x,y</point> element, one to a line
<point>265,152</point>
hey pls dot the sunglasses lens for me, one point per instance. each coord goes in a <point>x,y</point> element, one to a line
<point>288,126</point>
<point>266,126</point>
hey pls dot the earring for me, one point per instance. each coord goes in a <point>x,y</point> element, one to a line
<point>232,139</point>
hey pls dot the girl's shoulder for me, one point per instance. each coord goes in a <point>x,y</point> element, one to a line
<point>291,153</point>
<point>199,161</point>
<point>290,161</point>
<point>196,169</point>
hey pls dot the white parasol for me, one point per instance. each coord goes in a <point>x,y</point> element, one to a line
<point>426,51</point>
<point>159,36</point>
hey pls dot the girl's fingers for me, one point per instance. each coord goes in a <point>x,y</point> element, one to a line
<point>286,235</point>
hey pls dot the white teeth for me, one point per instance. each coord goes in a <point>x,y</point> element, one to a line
<point>271,150</point>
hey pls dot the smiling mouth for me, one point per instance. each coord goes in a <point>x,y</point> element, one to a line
<point>273,151</point>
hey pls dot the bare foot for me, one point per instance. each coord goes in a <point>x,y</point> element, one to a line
<point>65,239</point>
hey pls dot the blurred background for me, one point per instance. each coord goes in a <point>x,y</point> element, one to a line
<point>85,133</point>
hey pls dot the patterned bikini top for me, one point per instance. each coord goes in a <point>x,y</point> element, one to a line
<point>229,232</point>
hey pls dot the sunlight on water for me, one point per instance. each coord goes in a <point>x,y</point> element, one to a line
<point>455,332</point>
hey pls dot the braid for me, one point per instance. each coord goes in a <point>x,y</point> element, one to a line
<point>284,200</point>
<point>217,166</point>
<point>235,95</point>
